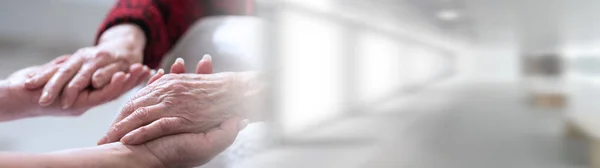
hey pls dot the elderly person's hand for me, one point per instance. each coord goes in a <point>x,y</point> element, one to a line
<point>23,102</point>
<point>195,149</point>
<point>89,67</point>
<point>181,150</point>
<point>183,103</point>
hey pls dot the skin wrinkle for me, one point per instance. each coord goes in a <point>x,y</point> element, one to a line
<point>155,156</point>
<point>199,102</point>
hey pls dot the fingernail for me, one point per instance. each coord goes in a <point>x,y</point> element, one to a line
<point>127,139</point>
<point>45,97</point>
<point>29,81</point>
<point>180,60</point>
<point>243,124</point>
<point>96,81</point>
<point>64,103</point>
<point>206,57</point>
<point>161,71</point>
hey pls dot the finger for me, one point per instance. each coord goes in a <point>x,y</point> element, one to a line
<point>82,80</point>
<point>57,82</point>
<point>205,65</point>
<point>157,76</point>
<point>178,67</point>
<point>38,80</point>
<point>102,76</point>
<point>156,129</point>
<point>225,135</point>
<point>112,90</point>
<point>91,98</point>
<point>61,59</point>
<point>135,72</point>
<point>144,76</point>
<point>140,117</point>
<point>130,107</point>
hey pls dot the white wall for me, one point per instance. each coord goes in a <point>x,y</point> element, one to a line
<point>495,51</point>
<point>313,45</point>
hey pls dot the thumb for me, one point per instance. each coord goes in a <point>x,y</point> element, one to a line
<point>205,65</point>
<point>226,134</point>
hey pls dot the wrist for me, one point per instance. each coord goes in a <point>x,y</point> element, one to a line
<point>14,104</point>
<point>112,155</point>
<point>132,156</point>
<point>126,41</point>
<point>5,94</point>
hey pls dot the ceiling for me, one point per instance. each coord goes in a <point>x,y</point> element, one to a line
<point>435,11</point>
<point>529,25</point>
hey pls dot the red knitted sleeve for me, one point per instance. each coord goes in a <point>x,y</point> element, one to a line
<point>165,21</point>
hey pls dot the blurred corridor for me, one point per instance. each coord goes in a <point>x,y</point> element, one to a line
<point>454,126</point>
<point>367,83</point>
<point>446,126</point>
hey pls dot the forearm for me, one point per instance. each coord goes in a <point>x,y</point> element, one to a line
<point>11,103</point>
<point>111,155</point>
<point>5,112</point>
<point>126,40</point>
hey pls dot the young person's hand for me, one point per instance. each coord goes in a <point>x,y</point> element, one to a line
<point>91,67</point>
<point>20,102</point>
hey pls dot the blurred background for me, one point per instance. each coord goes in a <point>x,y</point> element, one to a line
<point>368,83</point>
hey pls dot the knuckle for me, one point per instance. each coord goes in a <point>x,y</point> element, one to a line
<point>141,113</point>
<point>169,77</point>
<point>100,55</point>
<point>144,130</point>
<point>66,70</point>
<point>100,75</point>
<point>129,106</point>
<point>167,104</point>
<point>91,65</point>
<point>115,128</point>
<point>184,121</point>
<point>85,75</point>
<point>122,62</point>
<point>74,87</point>
<point>178,87</point>
<point>167,125</point>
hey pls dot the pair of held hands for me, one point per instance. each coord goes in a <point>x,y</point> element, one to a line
<point>178,119</point>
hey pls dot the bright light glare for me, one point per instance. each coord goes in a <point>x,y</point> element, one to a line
<point>378,64</point>
<point>324,5</point>
<point>311,87</point>
<point>422,65</point>
<point>448,15</point>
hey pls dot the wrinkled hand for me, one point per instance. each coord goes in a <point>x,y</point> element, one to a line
<point>194,149</point>
<point>176,103</point>
<point>26,100</point>
<point>91,66</point>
